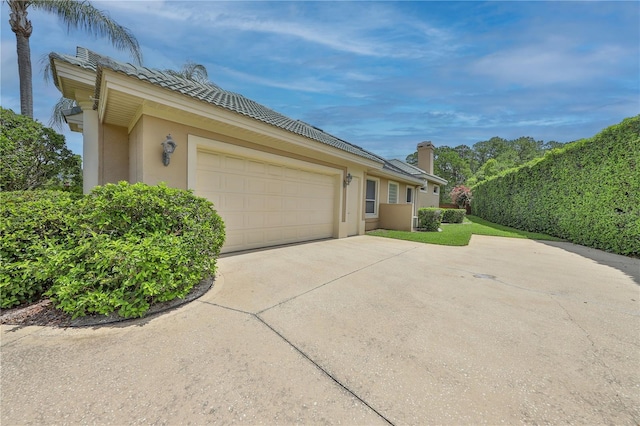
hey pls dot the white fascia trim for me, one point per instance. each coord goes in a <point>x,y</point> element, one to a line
<point>398,176</point>
<point>112,80</point>
<point>67,71</point>
<point>437,179</point>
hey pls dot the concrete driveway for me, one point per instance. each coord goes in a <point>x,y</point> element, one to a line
<point>363,330</point>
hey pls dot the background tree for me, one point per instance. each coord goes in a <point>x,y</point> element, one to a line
<point>490,149</point>
<point>527,149</point>
<point>76,15</point>
<point>450,166</point>
<point>412,159</point>
<point>35,157</point>
<point>467,155</point>
<point>470,165</point>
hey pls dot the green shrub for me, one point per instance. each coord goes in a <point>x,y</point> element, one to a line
<point>33,156</point>
<point>587,192</point>
<point>121,248</point>
<point>453,215</point>
<point>429,219</point>
<point>134,245</point>
<point>30,221</point>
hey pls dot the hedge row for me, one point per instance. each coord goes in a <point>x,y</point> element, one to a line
<point>587,192</point>
<point>121,248</point>
<point>429,219</point>
<point>453,215</point>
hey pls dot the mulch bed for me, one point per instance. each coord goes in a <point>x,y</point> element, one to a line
<point>43,313</point>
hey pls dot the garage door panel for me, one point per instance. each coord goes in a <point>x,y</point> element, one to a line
<point>256,167</point>
<point>291,188</point>
<point>234,203</point>
<point>274,204</point>
<point>258,202</point>
<point>256,186</point>
<point>263,203</point>
<point>235,164</point>
<point>274,170</point>
<point>274,220</point>
<point>233,184</point>
<point>234,221</point>
<point>274,187</point>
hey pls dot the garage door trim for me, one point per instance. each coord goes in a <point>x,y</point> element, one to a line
<point>300,228</point>
<point>197,143</point>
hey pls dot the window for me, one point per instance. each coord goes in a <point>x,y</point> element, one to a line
<point>409,194</point>
<point>393,193</point>
<point>436,189</point>
<point>371,198</point>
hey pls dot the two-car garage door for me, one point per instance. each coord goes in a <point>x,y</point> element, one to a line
<point>266,202</point>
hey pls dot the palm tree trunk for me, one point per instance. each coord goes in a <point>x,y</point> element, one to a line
<point>21,26</point>
<point>24,70</point>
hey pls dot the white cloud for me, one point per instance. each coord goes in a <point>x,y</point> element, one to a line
<point>149,9</point>
<point>307,84</point>
<point>551,62</point>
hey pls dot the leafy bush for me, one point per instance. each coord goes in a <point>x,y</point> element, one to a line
<point>121,248</point>
<point>587,192</point>
<point>134,245</point>
<point>453,215</point>
<point>429,219</point>
<point>30,221</point>
<point>33,156</point>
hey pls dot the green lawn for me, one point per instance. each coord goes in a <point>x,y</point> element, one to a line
<point>460,234</point>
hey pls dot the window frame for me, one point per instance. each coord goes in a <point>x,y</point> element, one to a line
<point>410,196</point>
<point>397,185</point>
<point>376,182</point>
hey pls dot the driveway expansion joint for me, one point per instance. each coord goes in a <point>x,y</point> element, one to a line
<point>334,280</point>
<point>305,356</point>
<point>323,370</point>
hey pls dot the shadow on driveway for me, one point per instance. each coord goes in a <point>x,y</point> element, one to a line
<point>625,264</point>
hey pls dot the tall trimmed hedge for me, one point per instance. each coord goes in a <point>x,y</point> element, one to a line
<point>587,192</point>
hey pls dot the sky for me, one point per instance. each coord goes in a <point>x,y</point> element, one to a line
<point>382,75</point>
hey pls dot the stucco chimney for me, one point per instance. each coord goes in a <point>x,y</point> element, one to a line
<point>425,156</point>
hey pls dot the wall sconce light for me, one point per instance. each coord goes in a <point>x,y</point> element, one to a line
<point>168,146</point>
<point>347,180</point>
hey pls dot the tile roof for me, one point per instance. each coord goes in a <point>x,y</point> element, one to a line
<point>407,168</point>
<point>415,171</point>
<point>210,93</point>
<point>389,166</point>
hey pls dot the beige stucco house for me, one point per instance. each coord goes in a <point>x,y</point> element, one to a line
<point>273,179</point>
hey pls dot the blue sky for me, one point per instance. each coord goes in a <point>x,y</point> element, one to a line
<point>384,75</point>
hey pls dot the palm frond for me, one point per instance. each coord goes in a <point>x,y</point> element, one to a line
<point>82,15</point>
<point>191,71</point>
<point>57,120</point>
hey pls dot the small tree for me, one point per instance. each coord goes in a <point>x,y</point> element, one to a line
<point>461,196</point>
<point>33,156</point>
